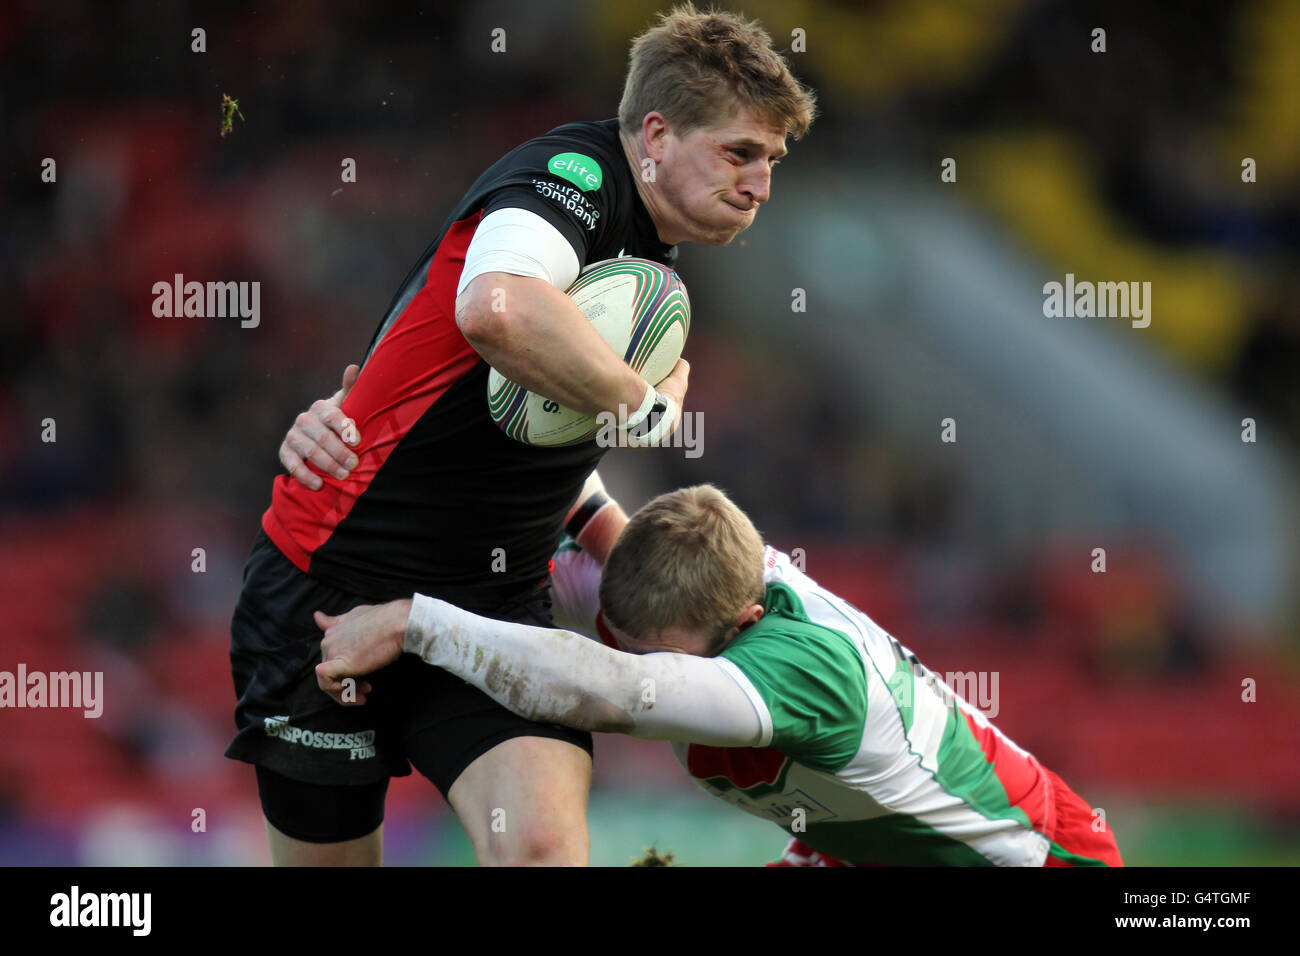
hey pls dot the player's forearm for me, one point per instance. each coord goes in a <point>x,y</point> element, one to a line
<point>600,533</point>
<point>559,677</point>
<point>534,335</point>
<point>531,670</point>
<point>596,520</point>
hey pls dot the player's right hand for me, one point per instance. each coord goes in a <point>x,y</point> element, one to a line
<point>362,641</point>
<point>322,435</point>
<point>674,386</point>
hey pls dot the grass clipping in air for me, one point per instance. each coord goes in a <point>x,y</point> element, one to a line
<point>652,857</point>
<point>229,110</point>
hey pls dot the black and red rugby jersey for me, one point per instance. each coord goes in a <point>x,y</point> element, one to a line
<point>439,486</point>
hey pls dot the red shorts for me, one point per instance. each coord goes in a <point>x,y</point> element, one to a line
<point>1078,838</point>
<point>1075,842</point>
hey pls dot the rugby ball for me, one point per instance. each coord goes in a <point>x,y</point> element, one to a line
<point>640,309</point>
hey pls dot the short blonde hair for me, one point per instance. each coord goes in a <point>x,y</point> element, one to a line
<point>697,67</point>
<point>689,559</point>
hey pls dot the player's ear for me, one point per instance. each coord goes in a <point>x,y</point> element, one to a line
<point>654,133</point>
<point>750,615</point>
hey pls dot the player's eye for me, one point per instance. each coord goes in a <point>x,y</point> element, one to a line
<point>741,154</point>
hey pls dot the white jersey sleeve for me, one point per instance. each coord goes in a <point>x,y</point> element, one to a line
<point>575,590</point>
<point>557,677</point>
<point>521,243</point>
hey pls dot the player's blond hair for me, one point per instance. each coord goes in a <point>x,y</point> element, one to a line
<point>697,67</point>
<point>689,559</point>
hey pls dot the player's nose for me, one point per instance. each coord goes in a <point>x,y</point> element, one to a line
<point>758,186</point>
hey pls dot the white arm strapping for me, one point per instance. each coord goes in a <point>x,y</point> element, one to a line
<point>560,677</point>
<point>521,243</point>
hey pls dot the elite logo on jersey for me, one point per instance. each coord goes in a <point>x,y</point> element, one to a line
<point>583,171</point>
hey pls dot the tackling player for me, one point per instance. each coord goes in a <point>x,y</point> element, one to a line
<point>781,698</point>
<point>433,497</point>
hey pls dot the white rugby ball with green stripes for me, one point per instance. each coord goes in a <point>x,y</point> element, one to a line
<point>640,309</point>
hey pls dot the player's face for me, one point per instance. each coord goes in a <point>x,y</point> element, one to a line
<point>671,640</point>
<point>699,643</point>
<point>711,181</point>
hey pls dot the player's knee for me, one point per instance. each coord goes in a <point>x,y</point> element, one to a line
<point>544,843</point>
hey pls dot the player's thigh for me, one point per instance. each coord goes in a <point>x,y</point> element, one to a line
<point>518,786</point>
<point>525,802</point>
<point>367,850</point>
<point>311,824</point>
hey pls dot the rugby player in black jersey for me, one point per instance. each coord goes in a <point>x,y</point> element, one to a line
<point>431,496</point>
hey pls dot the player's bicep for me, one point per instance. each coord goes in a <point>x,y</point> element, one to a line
<point>520,242</point>
<point>696,700</point>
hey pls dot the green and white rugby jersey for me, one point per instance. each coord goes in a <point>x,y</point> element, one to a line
<point>867,756</point>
